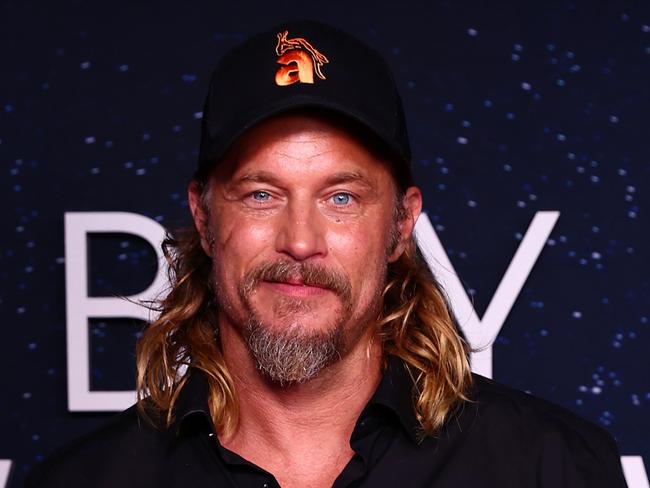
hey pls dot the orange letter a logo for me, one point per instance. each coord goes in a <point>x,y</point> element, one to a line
<point>297,67</point>
<point>299,60</point>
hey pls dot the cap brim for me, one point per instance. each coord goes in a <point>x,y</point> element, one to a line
<point>248,121</point>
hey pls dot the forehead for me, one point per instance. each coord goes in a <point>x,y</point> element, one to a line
<point>306,143</point>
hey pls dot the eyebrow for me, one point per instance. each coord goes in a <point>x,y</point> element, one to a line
<point>258,177</point>
<point>335,179</point>
<point>349,177</point>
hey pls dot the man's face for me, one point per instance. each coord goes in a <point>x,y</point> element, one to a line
<point>300,225</point>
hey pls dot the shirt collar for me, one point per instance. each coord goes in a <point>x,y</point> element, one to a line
<point>395,391</point>
<point>192,400</point>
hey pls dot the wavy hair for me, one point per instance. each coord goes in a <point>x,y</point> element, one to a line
<point>415,324</point>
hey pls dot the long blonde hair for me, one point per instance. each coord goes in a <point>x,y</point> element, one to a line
<point>415,324</point>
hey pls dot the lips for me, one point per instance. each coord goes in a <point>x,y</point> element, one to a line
<point>297,282</point>
<point>296,287</point>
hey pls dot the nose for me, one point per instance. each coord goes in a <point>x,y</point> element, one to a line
<point>301,233</point>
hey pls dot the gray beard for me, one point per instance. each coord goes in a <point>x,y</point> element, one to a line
<point>296,354</point>
<point>292,356</point>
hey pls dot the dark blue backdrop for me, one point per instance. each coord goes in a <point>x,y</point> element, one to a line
<point>511,109</point>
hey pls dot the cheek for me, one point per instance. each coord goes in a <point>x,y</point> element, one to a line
<point>244,238</point>
<point>237,244</point>
<point>235,234</point>
<point>361,251</point>
<point>368,236</point>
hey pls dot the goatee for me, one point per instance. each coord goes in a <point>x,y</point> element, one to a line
<point>294,354</point>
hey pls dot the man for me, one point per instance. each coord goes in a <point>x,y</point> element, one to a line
<point>304,342</point>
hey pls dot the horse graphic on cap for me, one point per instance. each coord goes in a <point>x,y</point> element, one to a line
<point>299,60</point>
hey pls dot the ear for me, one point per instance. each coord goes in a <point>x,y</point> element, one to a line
<point>413,207</point>
<point>200,217</point>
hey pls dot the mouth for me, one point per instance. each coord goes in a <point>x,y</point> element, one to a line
<point>296,287</point>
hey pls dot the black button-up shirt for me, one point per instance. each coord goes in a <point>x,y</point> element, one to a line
<point>502,438</point>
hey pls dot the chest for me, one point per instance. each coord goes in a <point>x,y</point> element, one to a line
<point>384,458</point>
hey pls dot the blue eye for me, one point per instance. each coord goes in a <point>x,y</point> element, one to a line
<point>341,198</point>
<point>261,196</point>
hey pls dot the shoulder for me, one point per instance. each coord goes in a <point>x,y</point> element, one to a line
<point>104,456</point>
<point>506,404</point>
<point>559,443</point>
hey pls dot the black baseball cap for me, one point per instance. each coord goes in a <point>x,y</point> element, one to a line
<point>303,65</point>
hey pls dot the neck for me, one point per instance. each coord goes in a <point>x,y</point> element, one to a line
<point>304,423</point>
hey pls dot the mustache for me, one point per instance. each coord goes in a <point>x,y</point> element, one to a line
<point>310,274</point>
